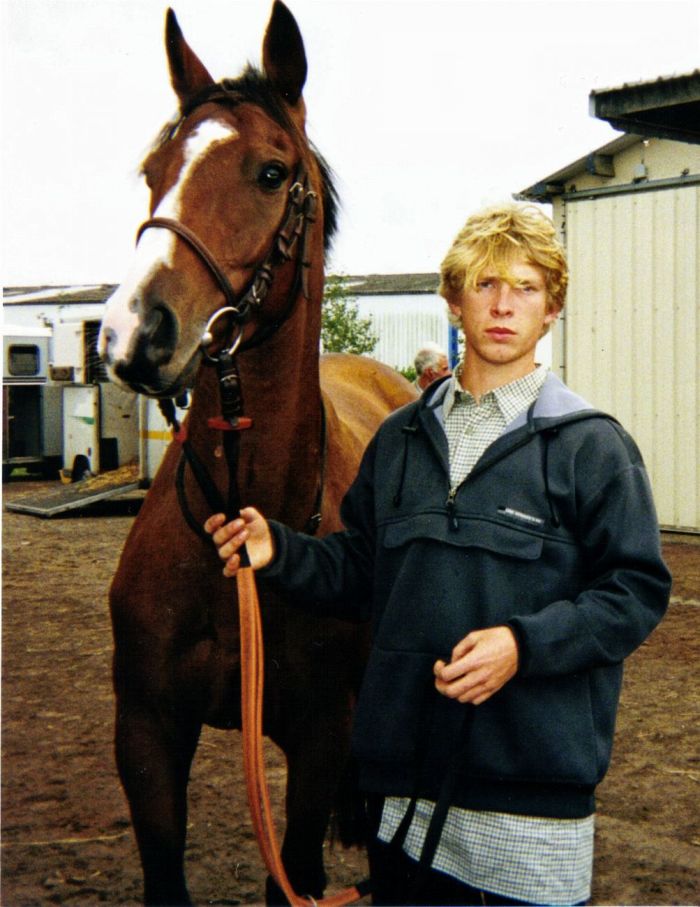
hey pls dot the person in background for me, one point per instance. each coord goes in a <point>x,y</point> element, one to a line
<point>430,364</point>
<point>502,539</point>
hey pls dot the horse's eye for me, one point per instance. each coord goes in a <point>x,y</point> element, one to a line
<point>272,176</point>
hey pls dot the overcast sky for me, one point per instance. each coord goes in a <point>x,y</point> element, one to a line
<point>425,109</point>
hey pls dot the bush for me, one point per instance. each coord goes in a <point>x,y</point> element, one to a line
<point>342,329</point>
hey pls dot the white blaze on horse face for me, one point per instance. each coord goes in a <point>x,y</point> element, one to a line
<point>156,247</point>
<point>207,136</point>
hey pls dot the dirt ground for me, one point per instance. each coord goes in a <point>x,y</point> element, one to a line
<point>66,837</point>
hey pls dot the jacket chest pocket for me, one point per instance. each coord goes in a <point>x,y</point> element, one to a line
<point>496,536</point>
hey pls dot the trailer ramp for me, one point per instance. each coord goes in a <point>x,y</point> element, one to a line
<point>78,494</point>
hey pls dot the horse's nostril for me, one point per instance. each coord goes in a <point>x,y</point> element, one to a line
<point>160,334</point>
<point>106,341</point>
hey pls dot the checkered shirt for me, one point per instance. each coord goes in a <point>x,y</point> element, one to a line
<point>527,858</point>
<point>472,426</point>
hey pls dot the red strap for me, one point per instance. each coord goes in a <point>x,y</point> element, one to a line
<point>221,424</point>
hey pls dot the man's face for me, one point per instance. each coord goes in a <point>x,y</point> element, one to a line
<point>503,319</point>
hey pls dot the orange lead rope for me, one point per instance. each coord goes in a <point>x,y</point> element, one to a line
<point>252,671</point>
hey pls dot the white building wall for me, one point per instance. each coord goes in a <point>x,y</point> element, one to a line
<point>633,330</point>
<point>404,323</point>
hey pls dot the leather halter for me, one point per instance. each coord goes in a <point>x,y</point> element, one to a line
<point>291,239</point>
<point>293,232</point>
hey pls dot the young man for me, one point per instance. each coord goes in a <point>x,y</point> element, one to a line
<point>430,364</point>
<point>502,538</point>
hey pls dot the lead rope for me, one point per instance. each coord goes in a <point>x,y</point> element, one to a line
<point>231,423</point>
<point>252,671</point>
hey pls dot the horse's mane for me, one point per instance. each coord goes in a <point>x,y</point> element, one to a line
<point>252,86</point>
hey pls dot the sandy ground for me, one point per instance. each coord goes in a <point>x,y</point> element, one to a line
<point>66,837</point>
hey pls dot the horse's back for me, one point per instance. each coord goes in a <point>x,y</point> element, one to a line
<point>363,391</point>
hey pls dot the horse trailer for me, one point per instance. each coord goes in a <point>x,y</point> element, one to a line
<point>61,414</point>
<point>31,436</point>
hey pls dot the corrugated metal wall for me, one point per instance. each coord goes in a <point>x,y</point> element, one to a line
<point>632,330</point>
<point>404,323</point>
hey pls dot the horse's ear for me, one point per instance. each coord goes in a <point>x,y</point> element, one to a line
<point>284,59</point>
<point>188,75</point>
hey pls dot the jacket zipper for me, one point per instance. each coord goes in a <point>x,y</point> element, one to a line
<point>451,504</point>
<point>452,509</point>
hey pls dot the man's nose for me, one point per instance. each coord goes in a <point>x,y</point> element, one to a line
<point>503,299</point>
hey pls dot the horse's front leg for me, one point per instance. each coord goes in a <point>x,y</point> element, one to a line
<point>154,756</point>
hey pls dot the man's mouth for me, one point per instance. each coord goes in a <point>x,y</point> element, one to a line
<point>500,332</point>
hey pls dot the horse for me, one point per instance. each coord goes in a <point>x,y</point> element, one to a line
<point>229,268</point>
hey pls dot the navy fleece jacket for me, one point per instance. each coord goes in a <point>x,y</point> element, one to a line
<point>553,533</point>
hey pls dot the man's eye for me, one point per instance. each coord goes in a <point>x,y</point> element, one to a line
<point>272,176</point>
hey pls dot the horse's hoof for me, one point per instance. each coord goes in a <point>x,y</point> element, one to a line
<point>274,896</point>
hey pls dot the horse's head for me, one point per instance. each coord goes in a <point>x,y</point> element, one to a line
<point>233,186</point>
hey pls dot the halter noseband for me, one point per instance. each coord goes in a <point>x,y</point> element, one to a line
<point>294,230</point>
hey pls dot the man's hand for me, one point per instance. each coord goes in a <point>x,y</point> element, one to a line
<point>251,529</point>
<point>481,663</point>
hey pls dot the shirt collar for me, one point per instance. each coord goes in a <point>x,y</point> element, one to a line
<point>511,398</point>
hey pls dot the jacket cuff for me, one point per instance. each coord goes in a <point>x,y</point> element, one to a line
<point>279,543</point>
<point>523,659</point>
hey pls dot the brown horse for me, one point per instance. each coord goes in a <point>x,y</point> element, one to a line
<point>229,266</point>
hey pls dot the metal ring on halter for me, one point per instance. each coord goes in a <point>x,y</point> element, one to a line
<point>208,337</point>
<point>296,192</point>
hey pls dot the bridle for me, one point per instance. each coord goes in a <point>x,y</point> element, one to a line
<point>291,238</point>
<point>290,242</point>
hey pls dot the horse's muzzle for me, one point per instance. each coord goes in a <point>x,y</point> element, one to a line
<point>153,347</point>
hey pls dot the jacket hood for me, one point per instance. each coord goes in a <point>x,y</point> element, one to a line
<point>556,405</point>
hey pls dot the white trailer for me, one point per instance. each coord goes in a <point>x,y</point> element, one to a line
<point>31,404</point>
<point>61,415</point>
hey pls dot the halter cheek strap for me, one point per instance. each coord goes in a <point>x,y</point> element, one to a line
<point>291,238</point>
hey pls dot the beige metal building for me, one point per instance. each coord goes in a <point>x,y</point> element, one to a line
<point>629,215</point>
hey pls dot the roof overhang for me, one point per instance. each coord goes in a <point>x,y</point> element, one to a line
<point>391,284</point>
<point>597,162</point>
<point>668,107</point>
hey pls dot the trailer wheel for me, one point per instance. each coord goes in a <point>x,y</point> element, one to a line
<point>80,469</point>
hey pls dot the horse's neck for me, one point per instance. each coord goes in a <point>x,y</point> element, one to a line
<point>280,455</point>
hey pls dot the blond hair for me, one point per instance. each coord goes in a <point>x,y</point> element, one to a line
<point>492,238</point>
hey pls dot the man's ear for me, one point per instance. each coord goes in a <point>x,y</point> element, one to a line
<point>553,312</point>
<point>454,307</point>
